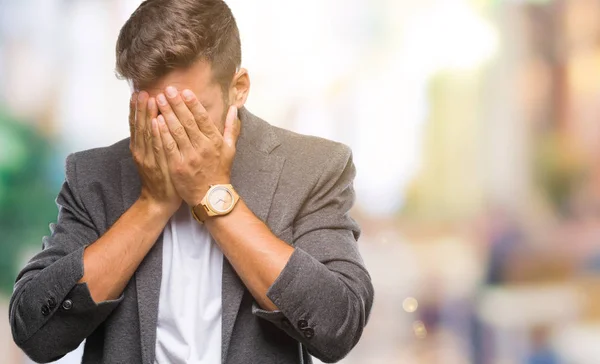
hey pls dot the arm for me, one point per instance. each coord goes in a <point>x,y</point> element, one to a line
<point>112,260</point>
<point>255,253</point>
<point>72,286</point>
<point>55,276</point>
<point>321,285</point>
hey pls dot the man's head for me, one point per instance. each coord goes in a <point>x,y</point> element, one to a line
<point>193,44</point>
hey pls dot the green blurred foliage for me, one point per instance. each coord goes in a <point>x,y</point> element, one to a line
<point>27,195</point>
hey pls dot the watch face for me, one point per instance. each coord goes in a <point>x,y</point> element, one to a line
<point>220,200</point>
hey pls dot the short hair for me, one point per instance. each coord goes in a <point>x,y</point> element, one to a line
<point>163,35</point>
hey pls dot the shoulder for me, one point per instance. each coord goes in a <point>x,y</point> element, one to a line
<point>98,161</point>
<point>308,153</point>
<point>117,150</point>
<point>309,150</point>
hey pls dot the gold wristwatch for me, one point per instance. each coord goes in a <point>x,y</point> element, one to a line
<point>218,201</point>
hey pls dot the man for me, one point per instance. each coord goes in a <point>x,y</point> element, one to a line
<point>208,236</point>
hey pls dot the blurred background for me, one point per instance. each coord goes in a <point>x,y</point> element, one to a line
<point>475,127</point>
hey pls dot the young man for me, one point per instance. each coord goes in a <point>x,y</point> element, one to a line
<point>208,236</point>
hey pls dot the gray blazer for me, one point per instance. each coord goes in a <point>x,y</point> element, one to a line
<point>301,186</point>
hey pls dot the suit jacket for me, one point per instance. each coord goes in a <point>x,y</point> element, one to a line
<point>300,186</point>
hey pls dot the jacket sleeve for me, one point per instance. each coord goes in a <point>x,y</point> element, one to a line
<point>50,313</point>
<point>324,293</point>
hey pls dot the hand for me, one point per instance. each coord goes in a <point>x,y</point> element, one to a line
<point>147,151</point>
<point>197,154</point>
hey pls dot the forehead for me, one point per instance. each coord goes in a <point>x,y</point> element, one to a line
<point>197,77</point>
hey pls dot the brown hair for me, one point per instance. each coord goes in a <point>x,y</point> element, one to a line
<point>162,35</point>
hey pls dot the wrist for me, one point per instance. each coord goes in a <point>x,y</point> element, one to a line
<point>218,201</point>
<point>216,222</point>
<point>155,209</point>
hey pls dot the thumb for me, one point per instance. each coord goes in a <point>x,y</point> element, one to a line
<point>232,127</point>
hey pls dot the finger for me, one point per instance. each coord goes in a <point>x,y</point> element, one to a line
<point>132,105</point>
<point>140,121</point>
<point>151,114</point>
<point>185,116</point>
<point>206,126</point>
<point>177,130</point>
<point>232,127</point>
<point>152,109</point>
<point>169,144</point>
<point>157,146</point>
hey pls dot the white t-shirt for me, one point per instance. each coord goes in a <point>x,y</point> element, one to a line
<point>189,311</point>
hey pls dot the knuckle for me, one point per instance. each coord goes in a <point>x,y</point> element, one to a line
<point>179,130</point>
<point>202,117</point>
<point>170,146</point>
<point>136,156</point>
<point>189,122</point>
<point>178,169</point>
<point>207,153</point>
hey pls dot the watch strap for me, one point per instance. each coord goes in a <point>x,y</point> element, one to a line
<point>202,215</point>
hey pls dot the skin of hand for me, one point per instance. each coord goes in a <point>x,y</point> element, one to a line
<point>149,156</point>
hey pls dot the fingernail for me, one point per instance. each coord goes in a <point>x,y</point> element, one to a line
<point>160,119</point>
<point>171,91</point>
<point>161,99</point>
<point>188,95</point>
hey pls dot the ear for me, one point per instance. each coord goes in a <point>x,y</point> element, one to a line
<point>240,87</point>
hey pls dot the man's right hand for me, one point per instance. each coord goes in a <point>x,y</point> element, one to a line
<point>148,154</point>
<point>110,262</point>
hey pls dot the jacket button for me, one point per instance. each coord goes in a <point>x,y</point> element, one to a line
<point>67,305</point>
<point>308,333</point>
<point>285,323</point>
<point>51,303</point>
<point>302,324</point>
<point>45,310</point>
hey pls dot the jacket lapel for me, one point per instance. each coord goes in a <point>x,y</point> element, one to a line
<point>148,274</point>
<point>255,174</point>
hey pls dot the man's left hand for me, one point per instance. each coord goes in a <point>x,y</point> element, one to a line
<point>197,154</point>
